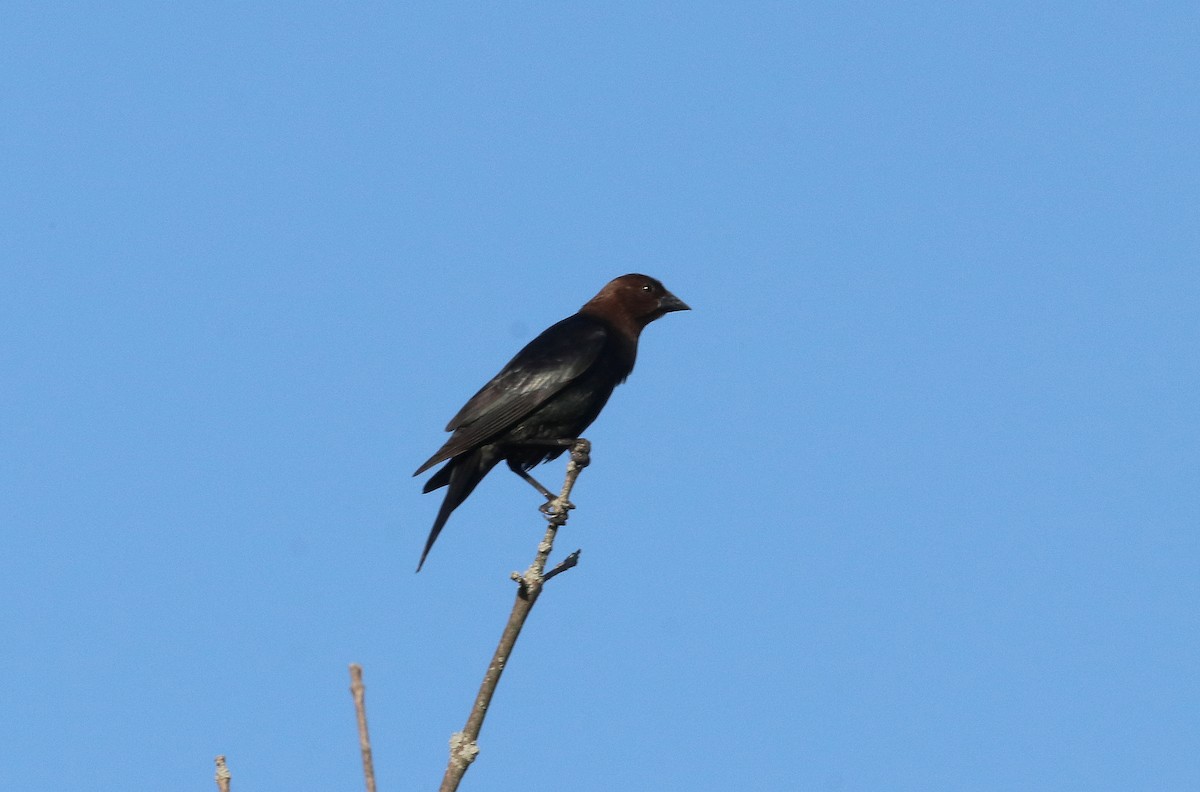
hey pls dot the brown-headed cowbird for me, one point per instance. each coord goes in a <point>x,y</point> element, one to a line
<point>548,394</point>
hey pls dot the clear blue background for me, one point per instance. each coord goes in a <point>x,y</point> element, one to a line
<point>908,502</point>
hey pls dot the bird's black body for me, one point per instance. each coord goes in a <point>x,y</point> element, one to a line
<point>548,394</point>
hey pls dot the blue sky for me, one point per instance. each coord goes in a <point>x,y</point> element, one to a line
<point>909,501</point>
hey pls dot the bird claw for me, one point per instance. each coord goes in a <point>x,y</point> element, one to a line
<point>555,508</point>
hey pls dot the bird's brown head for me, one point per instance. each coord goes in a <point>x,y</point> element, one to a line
<point>633,301</point>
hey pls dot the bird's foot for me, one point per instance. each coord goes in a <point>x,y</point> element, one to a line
<point>556,508</point>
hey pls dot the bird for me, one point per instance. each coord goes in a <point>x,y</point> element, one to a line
<point>548,394</point>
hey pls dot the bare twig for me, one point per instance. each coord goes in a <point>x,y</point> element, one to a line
<point>360,708</point>
<point>563,566</point>
<point>224,777</point>
<point>463,745</point>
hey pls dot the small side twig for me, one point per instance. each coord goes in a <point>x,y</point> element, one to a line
<point>463,745</point>
<point>223,777</point>
<point>563,565</point>
<point>360,709</point>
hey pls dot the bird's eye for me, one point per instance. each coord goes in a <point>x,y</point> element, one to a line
<point>647,287</point>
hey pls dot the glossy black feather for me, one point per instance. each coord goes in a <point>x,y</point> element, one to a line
<point>544,367</point>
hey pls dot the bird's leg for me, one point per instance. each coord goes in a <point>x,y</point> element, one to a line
<point>556,505</point>
<point>547,508</point>
<point>537,485</point>
<point>556,510</point>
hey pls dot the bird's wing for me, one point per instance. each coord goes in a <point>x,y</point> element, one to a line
<point>553,359</point>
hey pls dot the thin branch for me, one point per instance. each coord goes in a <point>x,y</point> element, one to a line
<point>562,566</point>
<point>223,777</point>
<point>360,708</point>
<point>463,745</point>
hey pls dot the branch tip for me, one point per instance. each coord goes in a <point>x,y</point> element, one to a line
<point>223,776</point>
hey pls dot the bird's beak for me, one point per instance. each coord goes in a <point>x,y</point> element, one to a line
<point>669,302</point>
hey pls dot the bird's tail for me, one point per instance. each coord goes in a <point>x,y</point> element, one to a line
<point>461,474</point>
